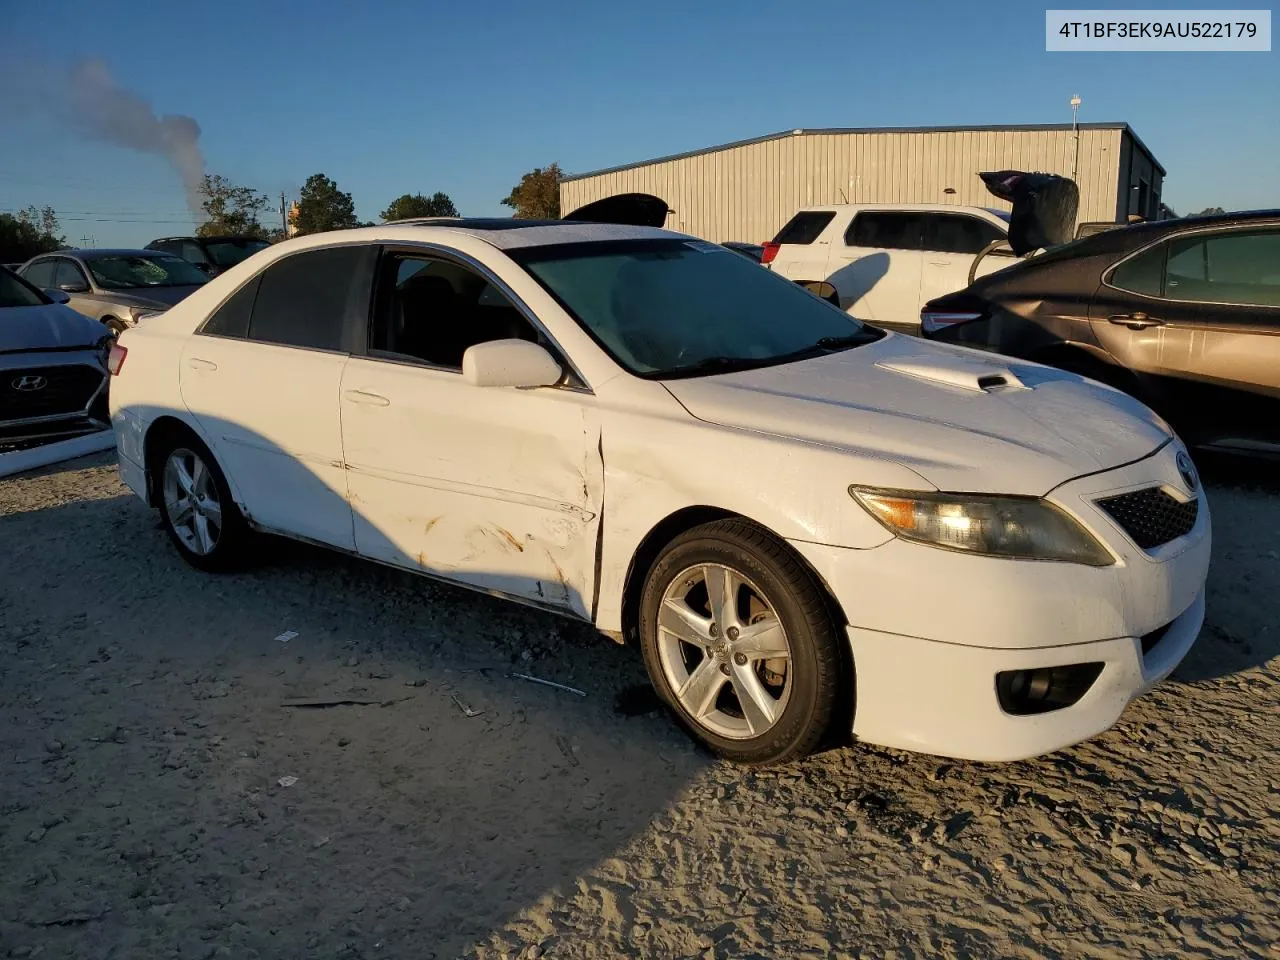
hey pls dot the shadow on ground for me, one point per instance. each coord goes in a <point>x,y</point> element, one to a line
<point>167,790</point>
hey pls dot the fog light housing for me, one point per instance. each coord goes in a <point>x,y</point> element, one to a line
<point>1044,689</point>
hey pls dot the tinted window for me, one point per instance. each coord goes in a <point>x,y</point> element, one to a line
<point>15,293</point>
<point>68,273</point>
<point>124,271</point>
<point>232,318</point>
<point>1237,267</point>
<point>955,233</point>
<point>227,253</point>
<point>1143,273</point>
<point>192,252</point>
<point>433,310</point>
<point>805,227</point>
<point>304,299</point>
<point>886,231</point>
<point>666,308</point>
<point>40,274</point>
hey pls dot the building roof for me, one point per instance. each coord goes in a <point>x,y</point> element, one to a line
<point>989,128</point>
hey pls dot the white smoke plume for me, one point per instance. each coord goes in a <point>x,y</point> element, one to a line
<point>101,109</point>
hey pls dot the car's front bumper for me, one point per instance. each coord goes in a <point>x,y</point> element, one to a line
<point>930,629</point>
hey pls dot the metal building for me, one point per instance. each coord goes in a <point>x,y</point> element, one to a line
<point>749,189</point>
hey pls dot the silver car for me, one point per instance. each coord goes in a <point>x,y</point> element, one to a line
<point>116,287</point>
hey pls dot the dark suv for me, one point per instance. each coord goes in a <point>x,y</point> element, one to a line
<point>1183,314</point>
<point>210,254</point>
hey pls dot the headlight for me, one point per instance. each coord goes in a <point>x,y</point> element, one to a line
<point>1027,528</point>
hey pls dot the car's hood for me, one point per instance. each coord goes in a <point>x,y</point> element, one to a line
<point>939,411</point>
<point>159,298</point>
<point>51,326</point>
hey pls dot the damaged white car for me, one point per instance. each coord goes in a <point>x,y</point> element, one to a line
<point>802,520</point>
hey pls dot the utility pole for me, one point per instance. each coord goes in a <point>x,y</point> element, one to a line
<point>1075,128</point>
<point>284,216</point>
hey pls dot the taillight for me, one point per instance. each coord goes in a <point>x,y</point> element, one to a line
<point>931,321</point>
<point>115,359</point>
<point>770,251</point>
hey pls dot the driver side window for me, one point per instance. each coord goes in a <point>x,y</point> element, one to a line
<point>431,310</point>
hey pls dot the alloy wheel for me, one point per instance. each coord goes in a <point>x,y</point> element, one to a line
<point>724,651</point>
<point>191,501</point>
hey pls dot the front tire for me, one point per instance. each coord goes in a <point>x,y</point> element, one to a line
<point>739,642</point>
<point>196,507</point>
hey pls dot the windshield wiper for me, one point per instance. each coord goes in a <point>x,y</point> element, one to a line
<point>846,341</point>
<point>713,365</point>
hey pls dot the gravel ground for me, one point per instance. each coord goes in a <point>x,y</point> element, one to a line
<point>153,719</point>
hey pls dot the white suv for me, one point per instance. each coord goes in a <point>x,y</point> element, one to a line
<point>881,262</point>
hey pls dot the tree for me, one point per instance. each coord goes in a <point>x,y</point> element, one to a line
<point>322,206</point>
<point>31,232</point>
<point>537,195</point>
<point>231,209</point>
<point>416,205</point>
<point>1208,212</point>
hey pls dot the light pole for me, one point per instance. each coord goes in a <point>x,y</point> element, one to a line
<point>1075,129</point>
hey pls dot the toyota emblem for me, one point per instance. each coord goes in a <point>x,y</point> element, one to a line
<point>29,383</point>
<point>1187,470</point>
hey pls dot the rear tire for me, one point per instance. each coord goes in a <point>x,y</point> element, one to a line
<point>769,643</point>
<point>196,507</point>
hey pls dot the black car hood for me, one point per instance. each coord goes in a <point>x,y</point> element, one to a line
<point>50,326</point>
<point>628,209</point>
<point>159,297</point>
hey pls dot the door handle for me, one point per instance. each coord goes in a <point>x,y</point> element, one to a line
<point>371,399</point>
<point>939,263</point>
<point>195,363</point>
<point>1136,320</point>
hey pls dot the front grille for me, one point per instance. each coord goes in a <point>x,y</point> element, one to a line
<point>47,391</point>
<point>1152,517</point>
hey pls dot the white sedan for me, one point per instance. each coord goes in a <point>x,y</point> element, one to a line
<point>803,521</point>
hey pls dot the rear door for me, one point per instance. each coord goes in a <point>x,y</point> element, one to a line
<point>951,241</point>
<point>802,246</point>
<point>262,377</point>
<point>876,267</point>
<point>1199,315</point>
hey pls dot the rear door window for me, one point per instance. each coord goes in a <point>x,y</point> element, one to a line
<point>1142,274</point>
<point>805,227</point>
<point>40,274</point>
<point>306,299</point>
<point>232,318</point>
<point>956,233</point>
<point>886,231</point>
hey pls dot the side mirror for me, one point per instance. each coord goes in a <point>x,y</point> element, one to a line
<point>58,296</point>
<point>73,287</point>
<point>509,363</point>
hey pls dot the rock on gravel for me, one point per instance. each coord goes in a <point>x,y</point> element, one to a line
<point>142,735</point>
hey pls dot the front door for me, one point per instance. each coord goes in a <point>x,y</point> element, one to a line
<point>499,488</point>
<point>262,378</point>
<point>875,268</point>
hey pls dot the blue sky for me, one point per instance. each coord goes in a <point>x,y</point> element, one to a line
<point>389,97</point>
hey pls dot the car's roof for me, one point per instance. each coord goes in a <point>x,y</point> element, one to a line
<point>505,234</point>
<point>219,238</point>
<point>89,253</point>
<point>910,207</point>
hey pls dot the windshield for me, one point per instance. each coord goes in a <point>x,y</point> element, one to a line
<point>227,253</point>
<point>125,271</point>
<point>670,308</point>
<point>15,292</point>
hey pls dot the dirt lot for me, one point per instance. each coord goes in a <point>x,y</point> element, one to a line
<point>148,714</point>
